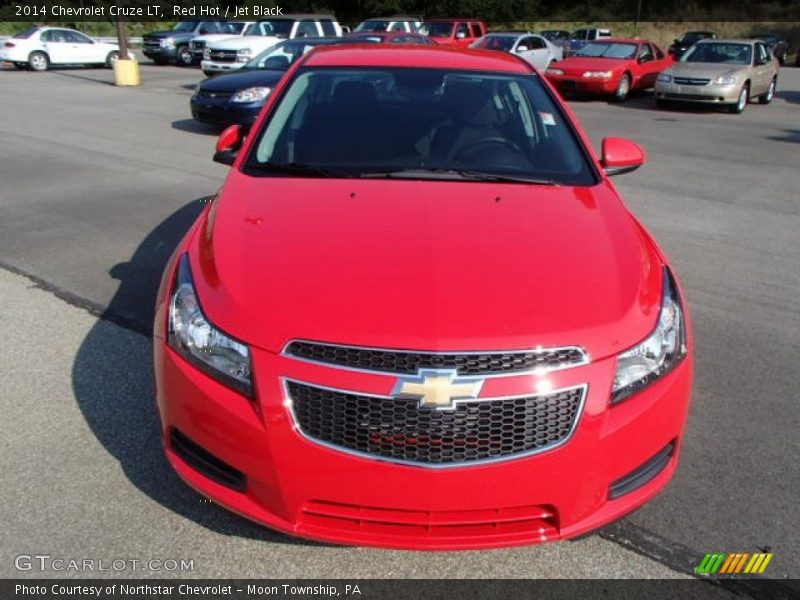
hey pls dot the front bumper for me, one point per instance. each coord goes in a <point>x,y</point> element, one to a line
<point>224,112</point>
<point>210,66</point>
<point>299,487</point>
<point>160,52</point>
<point>572,84</point>
<point>706,94</point>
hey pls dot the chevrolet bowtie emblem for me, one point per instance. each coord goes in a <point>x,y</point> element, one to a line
<point>438,388</point>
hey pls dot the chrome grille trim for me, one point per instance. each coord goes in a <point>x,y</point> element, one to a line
<point>584,359</point>
<point>288,403</point>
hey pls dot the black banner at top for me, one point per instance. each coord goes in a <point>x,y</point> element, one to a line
<point>348,11</point>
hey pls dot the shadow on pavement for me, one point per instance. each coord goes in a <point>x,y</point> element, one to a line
<point>112,380</point>
<point>99,72</point>
<point>192,126</point>
<point>790,96</point>
<point>791,136</point>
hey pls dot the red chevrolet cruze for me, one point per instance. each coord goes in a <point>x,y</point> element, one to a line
<point>419,315</point>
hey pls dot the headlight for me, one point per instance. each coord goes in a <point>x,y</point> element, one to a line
<point>598,74</point>
<point>664,78</point>
<point>243,55</point>
<point>193,337</point>
<point>197,89</point>
<point>207,54</point>
<point>659,353</point>
<point>725,79</point>
<point>253,94</point>
<point>552,71</point>
<point>168,42</point>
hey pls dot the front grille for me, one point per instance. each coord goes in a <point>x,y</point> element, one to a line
<point>408,363</point>
<point>152,44</point>
<point>398,429</point>
<point>691,81</point>
<point>520,522</point>
<point>209,94</point>
<point>223,55</point>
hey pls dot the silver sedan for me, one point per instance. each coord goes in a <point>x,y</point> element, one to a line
<point>535,49</point>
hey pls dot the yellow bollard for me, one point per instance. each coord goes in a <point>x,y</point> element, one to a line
<point>126,72</point>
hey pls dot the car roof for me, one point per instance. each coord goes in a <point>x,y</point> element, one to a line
<point>296,16</point>
<point>611,40</point>
<point>431,57</point>
<point>453,19</point>
<point>728,41</point>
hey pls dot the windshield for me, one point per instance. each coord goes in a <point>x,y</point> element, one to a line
<point>419,124</point>
<point>280,56</point>
<point>608,50</point>
<point>235,27</point>
<point>185,26</point>
<point>707,52</point>
<point>495,42</point>
<point>373,26</point>
<point>275,27</point>
<point>692,36</point>
<point>554,34</point>
<point>442,30</point>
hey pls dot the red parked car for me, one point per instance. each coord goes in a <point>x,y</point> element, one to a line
<point>453,32</point>
<point>610,67</point>
<point>418,314</point>
<point>391,37</point>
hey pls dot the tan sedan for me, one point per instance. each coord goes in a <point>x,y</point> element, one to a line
<point>726,72</point>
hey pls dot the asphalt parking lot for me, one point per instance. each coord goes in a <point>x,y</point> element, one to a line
<point>97,185</point>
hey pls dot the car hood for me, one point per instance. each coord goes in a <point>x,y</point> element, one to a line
<point>429,265</point>
<point>245,41</point>
<point>240,79</point>
<point>214,37</point>
<point>579,64</point>
<point>165,34</point>
<point>703,70</point>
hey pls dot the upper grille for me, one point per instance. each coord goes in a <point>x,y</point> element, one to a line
<point>691,81</point>
<point>398,429</point>
<point>479,363</point>
<point>223,55</point>
<point>213,94</point>
<point>152,42</point>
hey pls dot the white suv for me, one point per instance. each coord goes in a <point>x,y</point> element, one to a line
<point>232,53</point>
<point>229,29</point>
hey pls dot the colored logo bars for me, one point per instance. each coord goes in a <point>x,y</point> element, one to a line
<point>742,562</point>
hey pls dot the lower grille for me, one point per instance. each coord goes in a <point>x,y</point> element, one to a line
<point>399,430</point>
<point>533,522</point>
<point>690,81</point>
<point>407,362</point>
<point>701,97</point>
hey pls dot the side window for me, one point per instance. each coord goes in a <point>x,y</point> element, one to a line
<point>535,43</point>
<point>47,36</point>
<point>476,30</point>
<point>397,26</point>
<point>328,30</point>
<point>579,35</point>
<point>462,31</point>
<point>591,34</point>
<point>307,28</point>
<point>78,38</point>
<point>645,53</point>
<point>659,52</point>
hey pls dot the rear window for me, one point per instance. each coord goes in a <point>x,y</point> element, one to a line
<point>24,35</point>
<point>419,124</point>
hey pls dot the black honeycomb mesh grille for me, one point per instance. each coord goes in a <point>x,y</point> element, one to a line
<point>398,429</point>
<point>392,361</point>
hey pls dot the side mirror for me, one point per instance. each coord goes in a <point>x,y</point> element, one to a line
<point>621,156</point>
<point>522,48</point>
<point>461,35</point>
<point>228,145</point>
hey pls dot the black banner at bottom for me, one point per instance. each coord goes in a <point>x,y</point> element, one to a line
<point>394,589</point>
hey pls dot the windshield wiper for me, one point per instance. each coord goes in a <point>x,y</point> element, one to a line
<point>470,174</point>
<point>301,170</point>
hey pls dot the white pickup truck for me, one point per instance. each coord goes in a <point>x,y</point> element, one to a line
<point>228,29</point>
<point>232,53</point>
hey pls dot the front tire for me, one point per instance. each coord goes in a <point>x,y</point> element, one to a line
<point>741,103</point>
<point>39,61</point>
<point>184,57</point>
<point>112,58</point>
<point>767,98</point>
<point>623,88</point>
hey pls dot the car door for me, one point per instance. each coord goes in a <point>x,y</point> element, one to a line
<point>647,67</point>
<point>85,50</point>
<point>461,35</point>
<point>763,69</point>
<point>533,51</point>
<point>59,48</point>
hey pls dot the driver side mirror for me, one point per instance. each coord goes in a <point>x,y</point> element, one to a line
<point>621,156</point>
<point>228,145</point>
<point>461,35</point>
<point>522,48</point>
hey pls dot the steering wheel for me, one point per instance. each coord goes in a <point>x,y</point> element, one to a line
<point>481,144</point>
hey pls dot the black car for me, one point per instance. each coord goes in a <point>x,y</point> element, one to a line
<point>237,98</point>
<point>164,47</point>
<point>777,47</point>
<point>687,40</point>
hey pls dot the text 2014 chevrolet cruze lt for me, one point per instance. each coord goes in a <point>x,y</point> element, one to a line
<point>418,314</point>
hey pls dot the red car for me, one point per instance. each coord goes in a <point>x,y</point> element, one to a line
<point>453,32</point>
<point>418,314</point>
<point>391,37</point>
<point>610,67</point>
